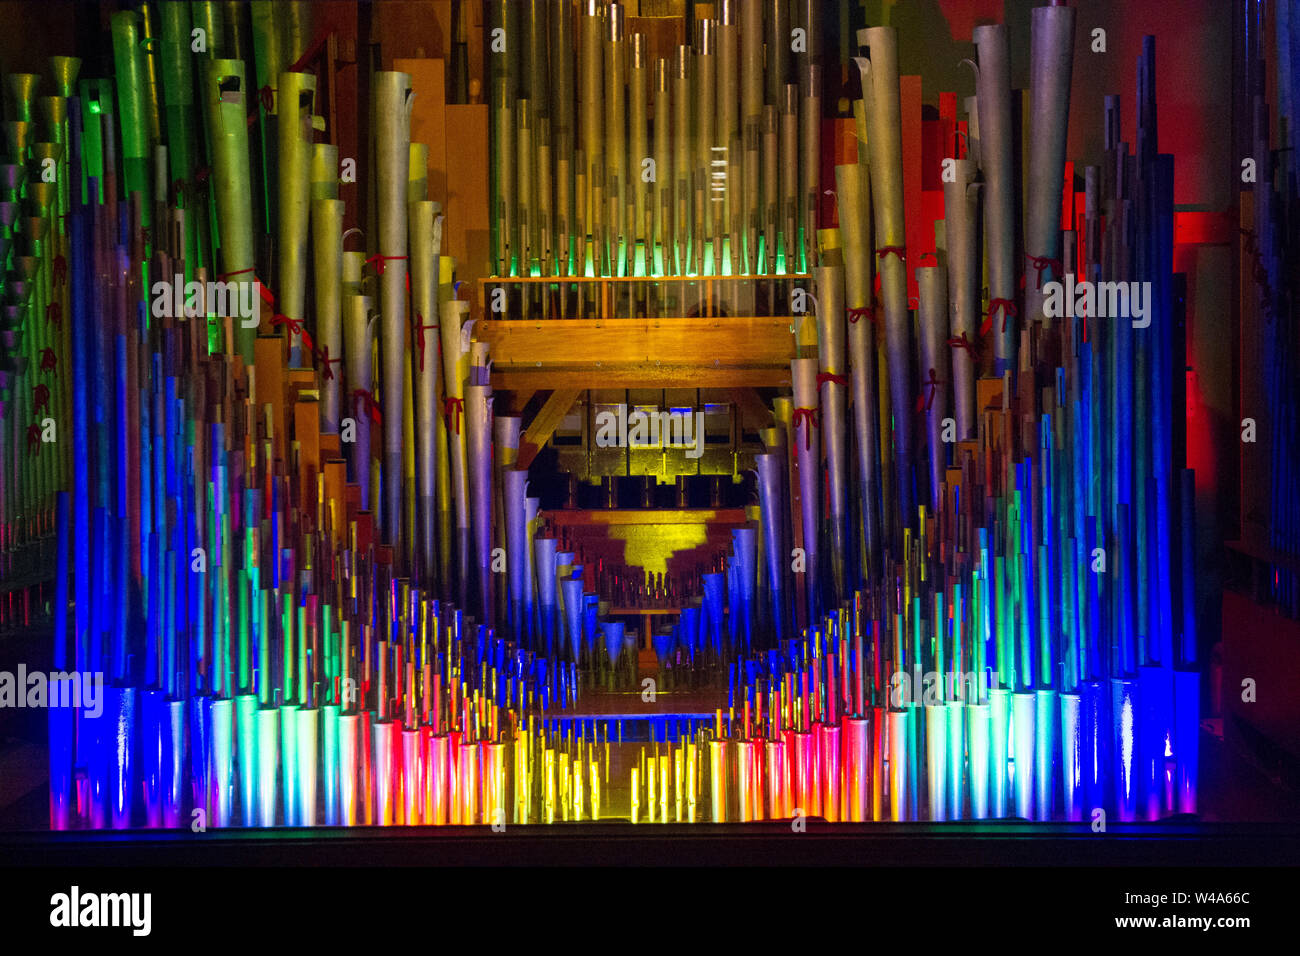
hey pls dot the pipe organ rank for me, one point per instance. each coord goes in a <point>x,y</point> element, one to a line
<point>481,412</point>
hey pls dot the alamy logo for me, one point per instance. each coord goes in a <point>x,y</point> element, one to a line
<point>653,429</point>
<point>932,687</point>
<point>74,909</point>
<point>55,689</point>
<point>178,298</point>
<point>1098,300</point>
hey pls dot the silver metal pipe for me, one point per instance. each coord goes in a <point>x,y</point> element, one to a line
<point>684,234</point>
<point>706,143</point>
<point>426,242</point>
<point>503,161</point>
<point>591,112</point>
<point>562,128</point>
<point>993,95</point>
<point>665,176</point>
<point>1051,56</point>
<point>638,83</point>
<point>727,93</point>
<point>932,327</point>
<point>751,117</point>
<point>616,184</point>
<point>771,200</point>
<point>810,164</point>
<point>327,252</point>
<point>832,382</point>
<point>392,110</point>
<point>853,195</point>
<point>790,178</point>
<point>885,147</point>
<point>961,232</point>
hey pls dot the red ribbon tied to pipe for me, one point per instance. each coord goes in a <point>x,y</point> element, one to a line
<point>323,357</point>
<point>41,398</point>
<point>33,439</point>
<point>450,406</point>
<point>60,270</point>
<point>1008,308</point>
<point>378,262</point>
<point>867,311</point>
<point>900,251</point>
<point>54,313</point>
<point>1042,264</point>
<point>49,361</point>
<point>809,417</point>
<point>360,398</point>
<point>295,327</point>
<point>922,402</point>
<point>419,335</point>
<point>963,342</point>
<point>825,377</point>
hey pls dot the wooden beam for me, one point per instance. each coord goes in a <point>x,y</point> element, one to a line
<point>543,425</point>
<point>646,376</point>
<point>730,352</point>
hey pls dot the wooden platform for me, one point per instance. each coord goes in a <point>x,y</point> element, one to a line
<point>733,352</point>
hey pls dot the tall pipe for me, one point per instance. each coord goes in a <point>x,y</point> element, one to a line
<point>936,388</point>
<point>591,59</point>
<point>993,95</point>
<point>832,380</point>
<point>1051,54</point>
<point>393,100</point>
<point>294,162</point>
<point>638,258</point>
<point>961,231</point>
<point>426,243</point>
<point>885,146</point>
